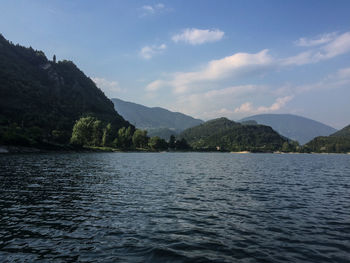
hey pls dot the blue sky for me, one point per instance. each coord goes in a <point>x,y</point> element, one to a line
<point>204,58</point>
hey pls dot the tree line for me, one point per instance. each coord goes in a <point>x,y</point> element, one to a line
<point>92,132</point>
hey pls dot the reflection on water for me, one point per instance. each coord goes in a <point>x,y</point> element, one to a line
<point>174,207</point>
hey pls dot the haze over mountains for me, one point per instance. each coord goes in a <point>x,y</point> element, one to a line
<point>163,123</point>
<point>157,118</point>
<point>293,127</point>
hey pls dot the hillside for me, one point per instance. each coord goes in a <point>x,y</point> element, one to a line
<point>153,118</point>
<point>233,136</point>
<point>297,128</point>
<point>338,142</point>
<point>163,133</point>
<point>42,99</point>
<point>345,132</point>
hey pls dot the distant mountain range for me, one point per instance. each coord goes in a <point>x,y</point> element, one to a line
<point>154,119</point>
<point>293,127</point>
<point>226,135</point>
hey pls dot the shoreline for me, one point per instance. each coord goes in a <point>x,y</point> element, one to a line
<point>12,149</point>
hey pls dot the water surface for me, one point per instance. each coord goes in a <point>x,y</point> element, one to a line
<point>174,207</point>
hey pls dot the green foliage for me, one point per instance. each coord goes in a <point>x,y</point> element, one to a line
<point>338,142</point>
<point>163,133</point>
<point>172,142</point>
<point>140,139</point>
<point>227,135</point>
<point>329,144</point>
<point>15,135</point>
<point>124,139</point>
<point>108,135</point>
<point>157,144</point>
<point>36,92</point>
<point>60,136</point>
<point>87,131</point>
<point>182,145</point>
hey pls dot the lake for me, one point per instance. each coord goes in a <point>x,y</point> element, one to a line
<point>174,207</point>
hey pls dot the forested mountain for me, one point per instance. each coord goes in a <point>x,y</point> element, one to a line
<point>163,133</point>
<point>153,118</point>
<point>294,127</point>
<point>338,142</point>
<point>40,100</point>
<point>228,135</point>
<point>345,132</point>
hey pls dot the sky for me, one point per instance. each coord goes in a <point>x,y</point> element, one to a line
<point>207,59</point>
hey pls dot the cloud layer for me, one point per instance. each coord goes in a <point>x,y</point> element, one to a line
<point>216,70</point>
<point>196,36</point>
<point>224,87</point>
<point>335,46</point>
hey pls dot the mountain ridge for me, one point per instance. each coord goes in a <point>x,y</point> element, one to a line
<point>294,127</point>
<point>338,142</point>
<point>226,135</point>
<point>144,117</point>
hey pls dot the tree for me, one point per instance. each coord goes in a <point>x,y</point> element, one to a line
<point>87,131</point>
<point>54,59</point>
<point>172,142</point>
<point>140,139</point>
<point>182,145</point>
<point>97,133</point>
<point>107,137</point>
<point>124,139</point>
<point>286,147</point>
<point>157,144</point>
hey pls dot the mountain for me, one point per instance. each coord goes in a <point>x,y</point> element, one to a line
<point>42,99</point>
<point>153,118</point>
<point>163,133</point>
<point>232,136</point>
<point>338,142</point>
<point>297,128</point>
<point>345,132</point>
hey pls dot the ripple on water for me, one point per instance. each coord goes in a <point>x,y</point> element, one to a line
<point>174,207</point>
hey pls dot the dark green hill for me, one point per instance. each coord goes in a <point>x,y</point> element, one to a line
<point>294,127</point>
<point>46,98</point>
<point>153,118</point>
<point>232,136</point>
<point>345,132</point>
<point>338,142</point>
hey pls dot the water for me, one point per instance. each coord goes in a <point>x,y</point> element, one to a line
<point>174,207</point>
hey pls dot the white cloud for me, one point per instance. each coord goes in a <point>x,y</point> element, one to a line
<point>155,85</point>
<point>319,40</point>
<point>333,81</point>
<point>110,88</point>
<point>199,92</point>
<point>248,107</point>
<point>217,70</point>
<point>152,9</point>
<point>148,52</point>
<point>336,46</point>
<point>213,103</point>
<point>196,36</point>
